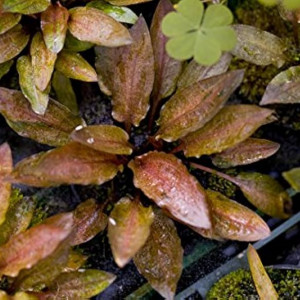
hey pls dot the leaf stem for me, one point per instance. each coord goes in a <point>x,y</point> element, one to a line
<point>215,172</point>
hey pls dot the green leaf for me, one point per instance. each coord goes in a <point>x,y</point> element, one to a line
<point>232,125</point>
<point>283,88</point>
<point>105,138</point>
<point>5,67</point>
<point>263,284</point>
<point>43,61</point>
<point>126,2</point>
<point>128,73</point>
<point>53,128</point>
<point>120,14</point>
<point>75,45</point>
<point>18,218</point>
<point>194,72</point>
<point>54,24</point>
<point>70,164</point>
<point>27,248</point>
<point>85,22</point>
<point>27,7</point>
<point>191,108</point>
<point>128,229</point>
<point>164,179</point>
<point>192,11</point>
<point>160,259</point>
<point>6,165</point>
<point>38,99</point>
<point>8,21</point>
<point>64,91</point>
<point>291,4</point>
<point>74,66</point>
<point>245,153</point>
<point>217,15</point>
<point>167,70</point>
<point>253,45</point>
<point>293,178</point>
<point>77,285</point>
<point>266,194</point>
<point>234,221</point>
<point>12,43</point>
<point>89,220</point>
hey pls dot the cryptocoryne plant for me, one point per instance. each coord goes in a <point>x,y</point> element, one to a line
<point>134,69</point>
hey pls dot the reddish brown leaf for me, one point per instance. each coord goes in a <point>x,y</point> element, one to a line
<point>234,221</point>
<point>6,165</point>
<point>128,229</point>
<point>12,43</point>
<point>26,249</point>
<point>54,24</point>
<point>73,65</point>
<point>79,285</point>
<point>38,99</point>
<point>70,164</point>
<point>43,61</point>
<point>263,284</point>
<point>92,25</point>
<point>128,73</point>
<point>160,259</point>
<point>89,220</point>
<point>105,138</point>
<point>284,88</point>
<point>245,153</point>
<point>195,72</point>
<point>8,21</point>
<point>232,125</point>
<point>266,194</point>
<point>165,180</point>
<point>167,69</point>
<point>191,108</point>
<point>53,128</point>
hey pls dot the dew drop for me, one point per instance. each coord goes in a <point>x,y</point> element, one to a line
<point>79,127</point>
<point>112,222</point>
<point>90,140</point>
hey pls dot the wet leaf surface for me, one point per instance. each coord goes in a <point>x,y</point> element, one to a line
<point>27,7</point>
<point>38,99</point>
<point>64,91</point>
<point>232,125</point>
<point>75,261</point>
<point>12,43</point>
<point>128,72</point>
<point>160,259</point>
<point>74,66</point>
<point>262,281</point>
<point>293,178</point>
<point>8,21</point>
<point>284,88</point>
<point>194,72</point>
<point>165,180</point>
<point>253,45</point>
<point>191,108</point>
<point>128,229</point>
<point>5,67</point>
<point>234,221</point>
<point>17,219</point>
<point>27,248</point>
<point>43,61</point>
<point>91,25</point>
<point>54,24</point>
<point>69,164</point>
<point>266,194</point>
<point>53,128</point>
<point>167,69</point>
<point>105,138</point>
<point>80,284</point>
<point>89,220</point>
<point>245,153</point>
<point>6,165</point>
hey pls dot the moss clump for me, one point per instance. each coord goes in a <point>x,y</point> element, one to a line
<point>239,285</point>
<point>15,197</point>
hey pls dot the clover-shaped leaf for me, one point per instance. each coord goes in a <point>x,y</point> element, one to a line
<point>288,4</point>
<point>198,33</point>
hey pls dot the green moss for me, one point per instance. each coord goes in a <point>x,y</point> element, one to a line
<point>239,285</point>
<point>221,185</point>
<point>15,196</point>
